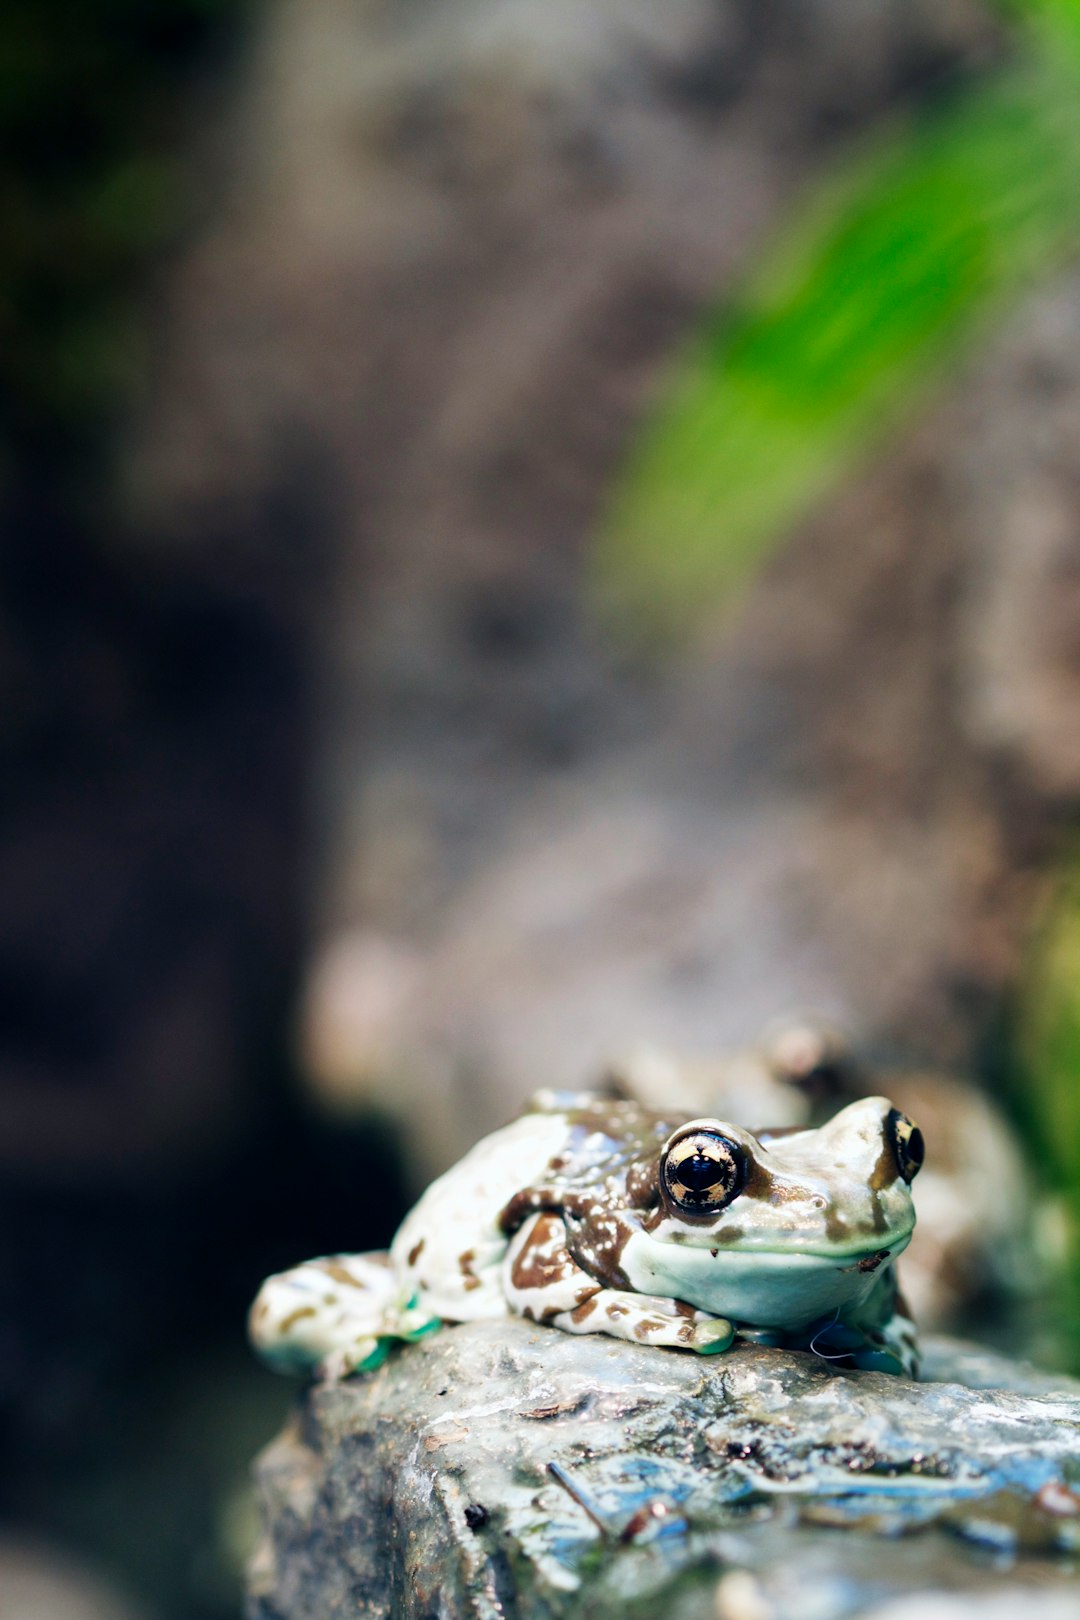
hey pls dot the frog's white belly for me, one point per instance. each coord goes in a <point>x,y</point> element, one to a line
<point>450,1245</point>
<point>777,1290</point>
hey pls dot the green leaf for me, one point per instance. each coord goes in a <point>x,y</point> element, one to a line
<point>891,268</point>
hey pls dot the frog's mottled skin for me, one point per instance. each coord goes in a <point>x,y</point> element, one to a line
<point>568,1217</point>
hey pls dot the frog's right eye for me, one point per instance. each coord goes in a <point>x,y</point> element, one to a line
<point>701,1170</point>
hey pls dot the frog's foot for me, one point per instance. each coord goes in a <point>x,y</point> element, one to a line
<point>334,1316</point>
<point>647,1319</point>
<point>891,1347</point>
<point>543,1281</point>
<point>894,1347</point>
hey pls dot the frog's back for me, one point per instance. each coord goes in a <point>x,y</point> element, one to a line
<point>450,1245</point>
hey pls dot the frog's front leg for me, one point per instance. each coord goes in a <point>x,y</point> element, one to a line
<point>334,1316</point>
<point>543,1281</point>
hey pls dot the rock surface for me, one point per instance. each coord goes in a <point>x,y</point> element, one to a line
<point>503,1469</point>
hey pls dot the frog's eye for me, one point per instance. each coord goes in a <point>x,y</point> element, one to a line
<point>907,1144</point>
<point>701,1171</point>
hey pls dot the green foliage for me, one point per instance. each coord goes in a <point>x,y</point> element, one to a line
<point>891,268</point>
<point>1046,1058</point>
<point>91,96</point>
<point>1047,1039</point>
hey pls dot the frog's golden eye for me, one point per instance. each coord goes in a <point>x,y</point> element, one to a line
<point>701,1171</point>
<point>907,1144</point>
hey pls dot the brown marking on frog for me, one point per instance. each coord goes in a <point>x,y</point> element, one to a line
<point>525,1202</point>
<point>339,1273</point>
<point>465,1265</point>
<point>597,1233</point>
<point>647,1325</point>
<point>294,1317</point>
<point>544,1259</point>
<point>883,1175</point>
<point>759,1182</point>
<point>728,1234</point>
<point>768,1187</point>
<point>416,1251</point>
<point>885,1169</point>
<point>643,1182</point>
<point>582,1312</point>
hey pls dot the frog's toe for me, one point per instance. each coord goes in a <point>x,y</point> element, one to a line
<point>419,1329</point>
<point>771,1338</point>
<point>411,1320</point>
<point>362,1356</point>
<point>875,1358</point>
<point>709,1338</point>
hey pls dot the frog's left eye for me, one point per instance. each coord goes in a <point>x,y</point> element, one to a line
<point>701,1171</point>
<point>907,1144</point>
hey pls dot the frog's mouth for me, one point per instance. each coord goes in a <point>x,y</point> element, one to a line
<point>778,1288</point>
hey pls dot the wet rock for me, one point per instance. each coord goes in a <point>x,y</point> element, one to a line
<point>1004,1605</point>
<point>507,1469</point>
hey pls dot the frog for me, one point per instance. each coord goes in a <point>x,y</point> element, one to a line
<point>974,1252</point>
<point>593,1214</point>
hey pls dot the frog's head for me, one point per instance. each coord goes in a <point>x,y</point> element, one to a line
<point>778,1230</point>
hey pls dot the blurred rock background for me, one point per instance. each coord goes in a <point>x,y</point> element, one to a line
<point>345,802</point>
